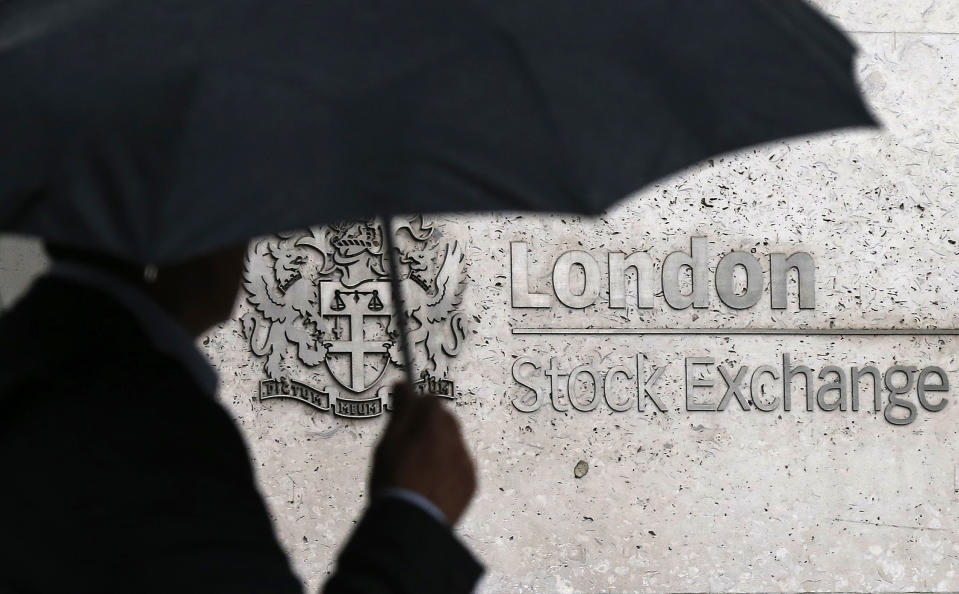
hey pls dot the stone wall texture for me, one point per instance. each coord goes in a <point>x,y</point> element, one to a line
<point>686,500</point>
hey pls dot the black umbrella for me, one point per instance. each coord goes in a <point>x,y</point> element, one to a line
<point>156,131</point>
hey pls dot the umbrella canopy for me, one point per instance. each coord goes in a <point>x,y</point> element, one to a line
<point>156,131</point>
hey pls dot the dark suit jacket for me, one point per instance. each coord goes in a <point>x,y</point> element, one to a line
<point>120,475</point>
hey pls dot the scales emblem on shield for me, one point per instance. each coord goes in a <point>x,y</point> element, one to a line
<point>321,313</point>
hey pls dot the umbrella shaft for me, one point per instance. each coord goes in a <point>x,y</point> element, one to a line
<point>399,305</point>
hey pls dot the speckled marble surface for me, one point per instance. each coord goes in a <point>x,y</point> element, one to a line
<point>685,500</point>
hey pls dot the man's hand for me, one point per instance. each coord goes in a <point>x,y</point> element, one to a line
<point>422,451</point>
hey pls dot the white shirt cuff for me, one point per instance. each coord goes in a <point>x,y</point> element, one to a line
<point>417,500</point>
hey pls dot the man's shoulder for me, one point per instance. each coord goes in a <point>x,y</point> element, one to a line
<point>62,332</point>
<point>60,314</point>
<point>111,446</point>
<point>69,352</point>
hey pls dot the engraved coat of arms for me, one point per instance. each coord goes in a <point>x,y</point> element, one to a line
<point>322,313</point>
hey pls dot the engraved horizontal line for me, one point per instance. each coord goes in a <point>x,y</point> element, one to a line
<point>744,331</point>
<point>858,32</point>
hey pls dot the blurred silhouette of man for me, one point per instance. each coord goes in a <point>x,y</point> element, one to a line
<point>122,473</point>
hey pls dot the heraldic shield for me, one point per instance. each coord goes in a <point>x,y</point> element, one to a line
<point>358,343</point>
<point>321,314</point>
